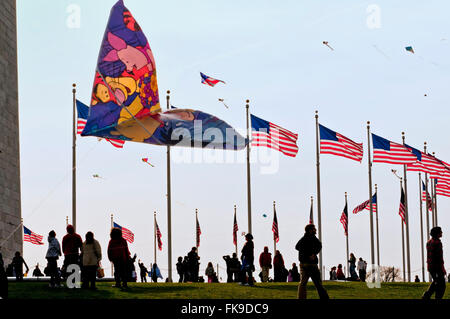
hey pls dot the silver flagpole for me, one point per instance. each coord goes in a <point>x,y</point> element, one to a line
<point>427,214</point>
<point>408,257</point>
<point>249,193</point>
<point>421,226</point>
<point>74,160</point>
<point>376,224</point>
<point>372,248</point>
<point>403,235</point>
<point>235,246</point>
<point>154,235</point>
<point>274,241</point>
<point>319,208</point>
<point>169,208</point>
<point>346,237</point>
<point>112,226</point>
<point>435,202</point>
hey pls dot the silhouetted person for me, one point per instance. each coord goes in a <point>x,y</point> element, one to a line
<point>333,275</point>
<point>265,262</point>
<point>435,265</point>
<point>209,271</point>
<point>71,246</point>
<point>235,267</point>
<point>361,267</point>
<point>295,275</point>
<point>416,279</point>
<point>3,280</point>
<point>119,255</point>
<point>180,270</point>
<point>339,273</point>
<point>186,269</point>
<point>247,258</point>
<point>37,272</point>
<point>155,273</point>
<point>279,270</point>
<point>91,257</point>
<point>52,256</point>
<point>352,267</point>
<point>143,271</point>
<point>193,264</point>
<point>18,263</point>
<point>228,262</point>
<point>308,248</point>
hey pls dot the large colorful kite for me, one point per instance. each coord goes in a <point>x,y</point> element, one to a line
<point>125,101</point>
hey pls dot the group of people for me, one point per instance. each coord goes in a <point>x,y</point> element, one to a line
<point>188,267</point>
<point>280,273</point>
<point>361,267</point>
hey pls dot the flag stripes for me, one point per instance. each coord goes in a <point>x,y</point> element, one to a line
<point>401,209</point>
<point>126,233</point>
<point>276,235</point>
<point>158,236</point>
<point>198,233</point>
<point>235,230</point>
<point>336,144</point>
<point>344,219</point>
<point>32,237</point>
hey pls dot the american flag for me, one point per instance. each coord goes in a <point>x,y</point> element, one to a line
<point>425,163</point>
<point>442,189</point>
<point>235,230</point>
<point>426,197</point>
<point>32,237</point>
<point>366,205</point>
<point>209,80</point>
<point>158,236</point>
<point>344,219</point>
<point>334,143</point>
<point>198,233</point>
<point>126,233</point>
<point>311,215</point>
<point>401,210</point>
<point>270,135</point>
<point>385,151</point>
<point>276,235</point>
<point>83,111</point>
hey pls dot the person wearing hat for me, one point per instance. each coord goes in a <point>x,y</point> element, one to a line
<point>247,258</point>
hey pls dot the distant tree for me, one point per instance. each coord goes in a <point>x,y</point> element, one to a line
<point>387,274</point>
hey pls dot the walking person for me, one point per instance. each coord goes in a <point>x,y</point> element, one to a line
<point>435,265</point>
<point>278,268</point>
<point>265,262</point>
<point>18,263</point>
<point>155,273</point>
<point>143,271</point>
<point>352,262</point>
<point>180,269</point>
<point>119,255</point>
<point>90,261</point>
<point>209,271</point>
<point>308,248</point>
<point>247,258</point>
<point>52,256</point>
<point>71,246</point>
<point>361,267</point>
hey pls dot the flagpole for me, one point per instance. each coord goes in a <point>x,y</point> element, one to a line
<point>112,226</point>
<point>169,208</point>
<point>311,215</point>
<point>196,231</point>
<point>408,258</point>
<point>249,194</point>
<point>154,235</point>
<point>236,247</point>
<point>372,252</point>
<point>274,241</point>
<point>376,219</point>
<point>421,226</point>
<point>74,161</point>
<point>403,234</point>
<point>67,220</point>
<point>427,211</point>
<point>435,202</point>
<point>319,208</point>
<point>346,237</point>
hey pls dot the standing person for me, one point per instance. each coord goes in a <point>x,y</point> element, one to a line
<point>229,263</point>
<point>265,262</point>
<point>435,265</point>
<point>71,246</point>
<point>193,264</point>
<point>278,267</point>
<point>333,275</point>
<point>155,273</point>
<point>247,258</point>
<point>180,269</point>
<point>235,267</point>
<point>295,275</point>
<point>52,256</point>
<point>119,255</point>
<point>3,280</point>
<point>91,257</point>
<point>361,267</point>
<point>18,263</point>
<point>339,273</point>
<point>186,269</point>
<point>417,279</point>
<point>352,262</point>
<point>142,271</point>
<point>131,269</point>
<point>308,248</point>
<point>37,272</point>
<point>209,271</point>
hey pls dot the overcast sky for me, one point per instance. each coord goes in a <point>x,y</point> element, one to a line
<point>265,51</point>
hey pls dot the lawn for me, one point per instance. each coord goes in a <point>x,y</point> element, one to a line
<point>336,290</point>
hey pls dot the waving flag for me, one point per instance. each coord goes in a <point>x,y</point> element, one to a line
<point>401,209</point>
<point>366,205</point>
<point>334,143</point>
<point>270,135</point>
<point>209,80</point>
<point>32,237</point>
<point>425,163</point>
<point>158,236</point>
<point>374,203</point>
<point>126,233</point>
<point>426,197</point>
<point>198,232</point>
<point>235,230</point>
<point>385,151</point>
<point>276,235</point>
<point>344,219</point>
<point>311,215</point>
<point>442,188</point>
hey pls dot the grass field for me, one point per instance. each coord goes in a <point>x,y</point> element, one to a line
<point>336,290</point>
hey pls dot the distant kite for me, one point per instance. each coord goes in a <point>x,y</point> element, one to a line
<point>410,49</point>
<point>264,215</point>
<point>222,100</point>
<point>96,176</point>
<point>145,160</point>
<point>326,43</point>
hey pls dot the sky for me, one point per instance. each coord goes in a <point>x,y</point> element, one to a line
<point>270,53</point>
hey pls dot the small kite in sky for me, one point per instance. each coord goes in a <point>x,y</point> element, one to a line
<point>410,49</point>
<point>222,100</point>
<point>264,215</point>
<point>96,176</point>
<point>145,160</point>
<point>326,43</point>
